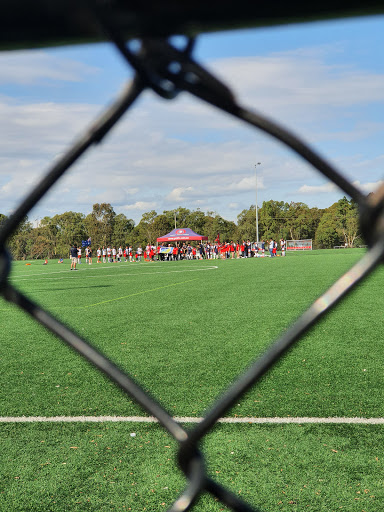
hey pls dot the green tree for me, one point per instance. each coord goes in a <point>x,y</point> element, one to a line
<point>121,230</point>
<point>339,225</point>
<point>161,225</point>
<point>50,231</point>
<point>210,226</point>
<point>100,223</point>
<point>195,221</point>
<point>40,247</point>
<point>272,223</point>
<point>180,214</point>
<point>301,221</point>
<point>246,223</point>
<point>226,228</point>
<point>326,233</point>
<point>348,216</point>
<point>150,228</point>
<point>70,229</point>
<point>273,220</point>
<point>146,229</point>
<point>20,242</point>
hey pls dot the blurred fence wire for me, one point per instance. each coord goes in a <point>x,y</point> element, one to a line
<point>168,70</point>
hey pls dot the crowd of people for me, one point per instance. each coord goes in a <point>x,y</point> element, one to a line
<point>210,251</point>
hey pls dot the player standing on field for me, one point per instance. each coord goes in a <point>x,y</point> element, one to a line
<point>73,254</point>
<point>282,245</point>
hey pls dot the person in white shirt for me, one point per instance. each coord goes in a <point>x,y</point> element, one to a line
<point>271,246</point>
<point>282,245</point>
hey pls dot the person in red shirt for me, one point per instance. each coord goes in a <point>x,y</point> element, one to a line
<point>232,250</point>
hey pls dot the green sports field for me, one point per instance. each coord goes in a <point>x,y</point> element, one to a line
<point>184,330</point>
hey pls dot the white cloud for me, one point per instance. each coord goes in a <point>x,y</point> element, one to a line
<point>356,131</point>
<point>288,80</point>
<point>368,187</point>
<point>38,67</point>
<point>163,154</point>
<point>179,194</point>
<point>141,206</point>
<point>317,189</point>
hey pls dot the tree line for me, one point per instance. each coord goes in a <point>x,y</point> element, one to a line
<point>52,237</point>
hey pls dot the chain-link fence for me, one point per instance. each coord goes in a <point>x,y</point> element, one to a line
<point>167,70</point>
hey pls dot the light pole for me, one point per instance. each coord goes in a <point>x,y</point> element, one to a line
<point>257,212</point>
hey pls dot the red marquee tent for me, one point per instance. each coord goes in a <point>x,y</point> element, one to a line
<point>181,235</point>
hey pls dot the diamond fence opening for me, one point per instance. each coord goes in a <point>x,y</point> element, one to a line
<point>167,70</point>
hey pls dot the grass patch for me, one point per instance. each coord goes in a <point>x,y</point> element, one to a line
<point>184,331</point>
<point>101,467</point>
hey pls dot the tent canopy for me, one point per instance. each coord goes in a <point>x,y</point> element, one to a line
<point>181,235</point>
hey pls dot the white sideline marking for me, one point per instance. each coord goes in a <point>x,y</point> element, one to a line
<point>41,275</point>
<point>186,419</point>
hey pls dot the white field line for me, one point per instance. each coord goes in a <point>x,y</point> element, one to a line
<point>186,419</point>
<point>67,274</point>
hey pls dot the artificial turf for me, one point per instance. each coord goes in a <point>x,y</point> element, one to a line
<point>184,331</point>
<point>101,467</point>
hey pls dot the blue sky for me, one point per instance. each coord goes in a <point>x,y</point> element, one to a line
<point>323,80</point>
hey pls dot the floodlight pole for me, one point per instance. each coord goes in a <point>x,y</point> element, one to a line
<point>257,211</point>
